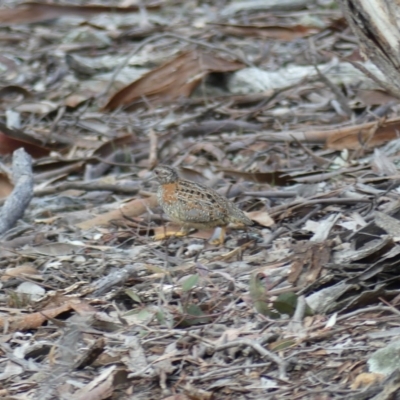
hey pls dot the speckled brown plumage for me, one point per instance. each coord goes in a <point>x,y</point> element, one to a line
<point>194,205</point>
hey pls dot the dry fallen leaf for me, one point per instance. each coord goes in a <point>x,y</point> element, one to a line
<point>268,31</point>
<point>375,97</point>
<point>262,217</point>
<point>6,186</point>
<point>367,379</point>
<point>31,321</point>
<point>100,387</point>
<point>175,78</point>
<point>31,12</point>
<point>366,135</point>
<point>24,270</point>
<point>274,177</point>
<point>13,139</point>
<point>132,209</point>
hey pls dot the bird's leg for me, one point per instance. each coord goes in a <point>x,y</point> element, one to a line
<point>222,235</point>
<point>221,240</point>
<point>184,231</point>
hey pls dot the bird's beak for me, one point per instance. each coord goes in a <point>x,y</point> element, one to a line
<point>151,177</point>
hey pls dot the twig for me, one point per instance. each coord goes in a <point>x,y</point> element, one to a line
<point>221,372</point>
<point>336,91</point>
<point>353,314</point>
<point>116,278</point>
<point>214,127</point>
<point>305,203</point>
<point>87,186</point>
<point>259,349</point>
<point>153,148</point>
<point>373,77</point>
<point>393,309</point>
<point>16,204</point>
<point>295,324</point>
<point>280,194</point>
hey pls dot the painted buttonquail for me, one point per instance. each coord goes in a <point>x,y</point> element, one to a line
<point>194,205</point>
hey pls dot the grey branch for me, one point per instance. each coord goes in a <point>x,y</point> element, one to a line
<point>16,204</point>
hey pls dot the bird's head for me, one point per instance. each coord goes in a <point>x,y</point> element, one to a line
<point>165,174</point>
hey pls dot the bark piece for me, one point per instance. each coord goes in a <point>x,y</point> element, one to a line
<point>375,23</point>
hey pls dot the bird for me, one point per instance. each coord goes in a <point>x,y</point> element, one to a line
<point>193,205</point>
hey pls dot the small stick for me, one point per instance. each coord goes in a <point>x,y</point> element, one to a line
<point>259,349</point>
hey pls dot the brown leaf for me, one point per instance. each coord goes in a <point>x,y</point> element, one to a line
<point>33,320</point>
<point>13,90</point>
<point>268,31</point>
<point>31,12</point>
<point>366,379</point>
<point>274,177</point>
<point>374,97</point>
<point>132,209</point>
<point>21,271</point>
<point>175,78</point>
<point>370,134</point>
<point>6,186</point>
<point>13,139</point>
<point>338,24</point>
<point>309,259</point>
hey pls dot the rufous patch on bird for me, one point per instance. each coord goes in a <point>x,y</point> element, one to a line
<point>169,193</point>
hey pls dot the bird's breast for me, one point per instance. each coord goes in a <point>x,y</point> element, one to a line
<point>167,194</point>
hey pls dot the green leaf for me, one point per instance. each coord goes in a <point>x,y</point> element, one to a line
<point>144,314</point>
<point>141,314</point>
<point>282,344</point>
<point>131,312</point>
<point>160,317</point>
<point>286,303</point>
<point>195,316</point>
<point>263,308</point>
<point>257,288</point>
<point>309,311</point>
<point>194,309</point>
<point>133,295</point>
<point>190,282</point>
<point>259,296</point>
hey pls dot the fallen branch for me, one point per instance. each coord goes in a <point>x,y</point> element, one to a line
<point>19,199</point>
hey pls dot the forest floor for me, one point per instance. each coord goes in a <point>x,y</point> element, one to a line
<point>265,103</point>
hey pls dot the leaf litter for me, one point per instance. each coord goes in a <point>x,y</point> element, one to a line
<point>299,306</point>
